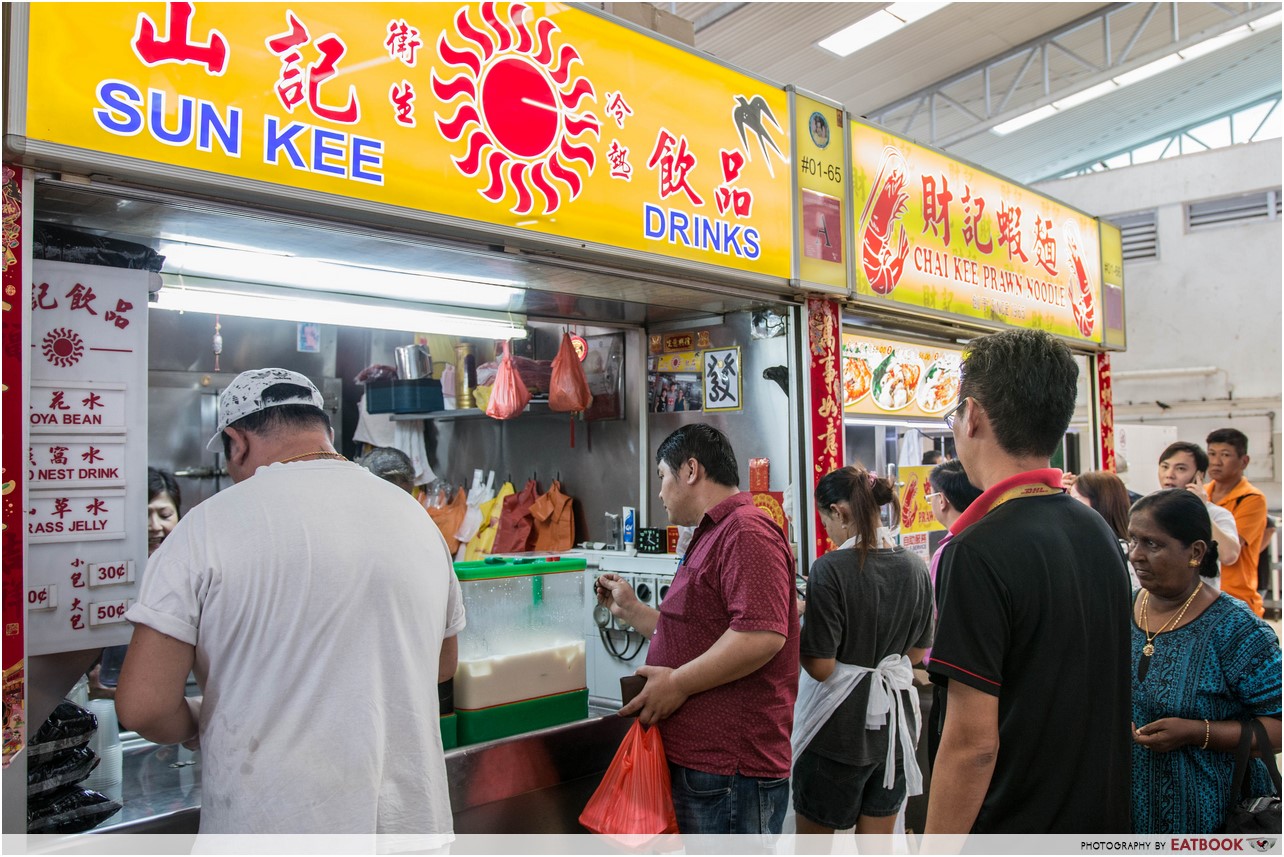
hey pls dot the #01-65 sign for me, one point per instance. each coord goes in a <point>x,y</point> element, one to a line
<point>951,239</point>
<point>535,116</point>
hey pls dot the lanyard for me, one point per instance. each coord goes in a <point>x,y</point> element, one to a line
<point>1037,489</point>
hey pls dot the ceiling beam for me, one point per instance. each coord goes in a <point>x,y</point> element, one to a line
<point>969,90</point>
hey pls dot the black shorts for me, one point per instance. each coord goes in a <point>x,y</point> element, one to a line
<point>834,794</point>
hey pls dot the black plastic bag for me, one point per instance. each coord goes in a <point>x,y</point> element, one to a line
<point>60,769</point>
<point>69,726</point>
<point>69,809</point>
<point>60,244</point>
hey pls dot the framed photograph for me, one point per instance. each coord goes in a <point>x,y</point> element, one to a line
<point>673,392</point>
<point>720,371</point>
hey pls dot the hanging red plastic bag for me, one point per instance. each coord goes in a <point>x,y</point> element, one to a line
<point>509,396</point>
<point>568,387</point>
<point>635,797</point>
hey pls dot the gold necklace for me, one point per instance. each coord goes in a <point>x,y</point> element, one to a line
<point>320,452</point>
<point>1149,648</point>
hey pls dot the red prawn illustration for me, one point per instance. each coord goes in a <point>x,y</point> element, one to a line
<point>910,510</point>
<point>1085,312</point>
<point>883,264</point>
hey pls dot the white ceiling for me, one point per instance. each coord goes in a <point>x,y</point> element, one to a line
<point>945,53</point>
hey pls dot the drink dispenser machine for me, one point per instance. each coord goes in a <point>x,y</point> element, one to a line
<point>521,654</point>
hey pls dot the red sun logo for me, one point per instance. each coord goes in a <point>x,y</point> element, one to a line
<point>62,347</point>
<point>518,108</point>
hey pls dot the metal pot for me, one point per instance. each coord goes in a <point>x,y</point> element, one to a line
<point>413,361</point>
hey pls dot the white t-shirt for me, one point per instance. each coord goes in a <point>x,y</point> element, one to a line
<point>1223,520</point>
<point>317,596</point>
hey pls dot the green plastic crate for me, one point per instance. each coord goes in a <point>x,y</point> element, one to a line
<point>449,731</point>
<point>496,567</point>
<point>514,718</point>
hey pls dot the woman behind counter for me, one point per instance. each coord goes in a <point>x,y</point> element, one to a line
<point>164,508</point>
<point>1202,664</point>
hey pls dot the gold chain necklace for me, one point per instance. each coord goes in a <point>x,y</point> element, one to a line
<point>320,452</point>
<point>1149,648</point>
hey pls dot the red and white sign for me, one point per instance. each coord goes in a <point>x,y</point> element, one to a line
<point>93,462</point>
<point>108,612</point>
<point>85,450</point>
<point>43,597</point>
<point>111,573</point>
<point>75,515</point>
<point>87,407</point>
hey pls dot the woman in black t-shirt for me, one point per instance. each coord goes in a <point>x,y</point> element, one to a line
<point>869,604</point>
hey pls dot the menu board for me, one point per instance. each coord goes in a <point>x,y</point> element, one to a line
<point>884,377</point>
<point>86,526</point>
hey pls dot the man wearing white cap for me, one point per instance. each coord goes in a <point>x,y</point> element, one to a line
<point>312,599</point>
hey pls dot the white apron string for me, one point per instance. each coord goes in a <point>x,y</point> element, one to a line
<point>817,702</point>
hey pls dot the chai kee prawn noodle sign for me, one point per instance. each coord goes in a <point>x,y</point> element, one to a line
<point>949,238</point>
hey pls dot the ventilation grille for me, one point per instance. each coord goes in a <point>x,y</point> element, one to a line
<point>1262,205</point>
<point>1140,234</point>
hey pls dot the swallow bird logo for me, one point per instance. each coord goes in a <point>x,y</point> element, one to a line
<point>749,114</point>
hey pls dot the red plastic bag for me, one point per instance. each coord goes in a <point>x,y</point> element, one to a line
<point>509,396</point>
<point>635,796</point>
<point>568,388</point>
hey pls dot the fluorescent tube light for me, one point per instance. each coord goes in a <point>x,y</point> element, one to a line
<point>294,305</point>
<point>879,25</point>
<point>1150,69</point>
<point>925,425</point>
<point>198,260</point>
<point>1086,95</point>
<point>1036,115</point>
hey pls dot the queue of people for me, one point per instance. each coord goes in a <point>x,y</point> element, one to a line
<point>1065,699</point>
<point>1054,712</point>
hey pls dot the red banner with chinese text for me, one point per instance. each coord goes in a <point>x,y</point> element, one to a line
<point>826,418</point>
<point>11,469</point>
<point>1106,410</point>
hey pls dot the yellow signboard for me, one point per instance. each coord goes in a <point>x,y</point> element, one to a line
<point>822,195</point>
<point>1112,286</point>
<point>886,378</point>
<point>916,508</point>
<point>535,116</point>
<point>954,240</point>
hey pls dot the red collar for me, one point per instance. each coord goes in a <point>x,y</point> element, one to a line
<point>1032,483</point>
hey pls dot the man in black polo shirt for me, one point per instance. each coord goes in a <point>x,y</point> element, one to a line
<point>1032,635</point>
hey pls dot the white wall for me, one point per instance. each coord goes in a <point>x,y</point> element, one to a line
<point>1211,299</point>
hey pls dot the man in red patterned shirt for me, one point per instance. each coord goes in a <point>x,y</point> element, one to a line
<point>722,669</point>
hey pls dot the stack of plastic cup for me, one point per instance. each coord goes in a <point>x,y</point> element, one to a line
<point>106,778</point>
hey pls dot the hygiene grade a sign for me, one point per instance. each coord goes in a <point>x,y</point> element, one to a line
<point>940,236</point>
<point>536,116</point>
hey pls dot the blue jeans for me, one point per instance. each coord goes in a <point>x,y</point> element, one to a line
<point>727,803</point>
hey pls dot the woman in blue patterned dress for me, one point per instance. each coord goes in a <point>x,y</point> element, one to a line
<point>1202,664</point>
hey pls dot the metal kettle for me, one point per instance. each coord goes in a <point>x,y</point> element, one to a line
<point>413,361</point>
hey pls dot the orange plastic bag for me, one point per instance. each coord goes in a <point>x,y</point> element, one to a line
<point>509,396</point>
<point>568,387</point>
<point>635,796</point>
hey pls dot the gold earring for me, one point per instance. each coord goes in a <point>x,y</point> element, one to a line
<point>1194,563</point>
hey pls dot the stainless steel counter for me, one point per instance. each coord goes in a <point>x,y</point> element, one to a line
<point>532,783</point>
